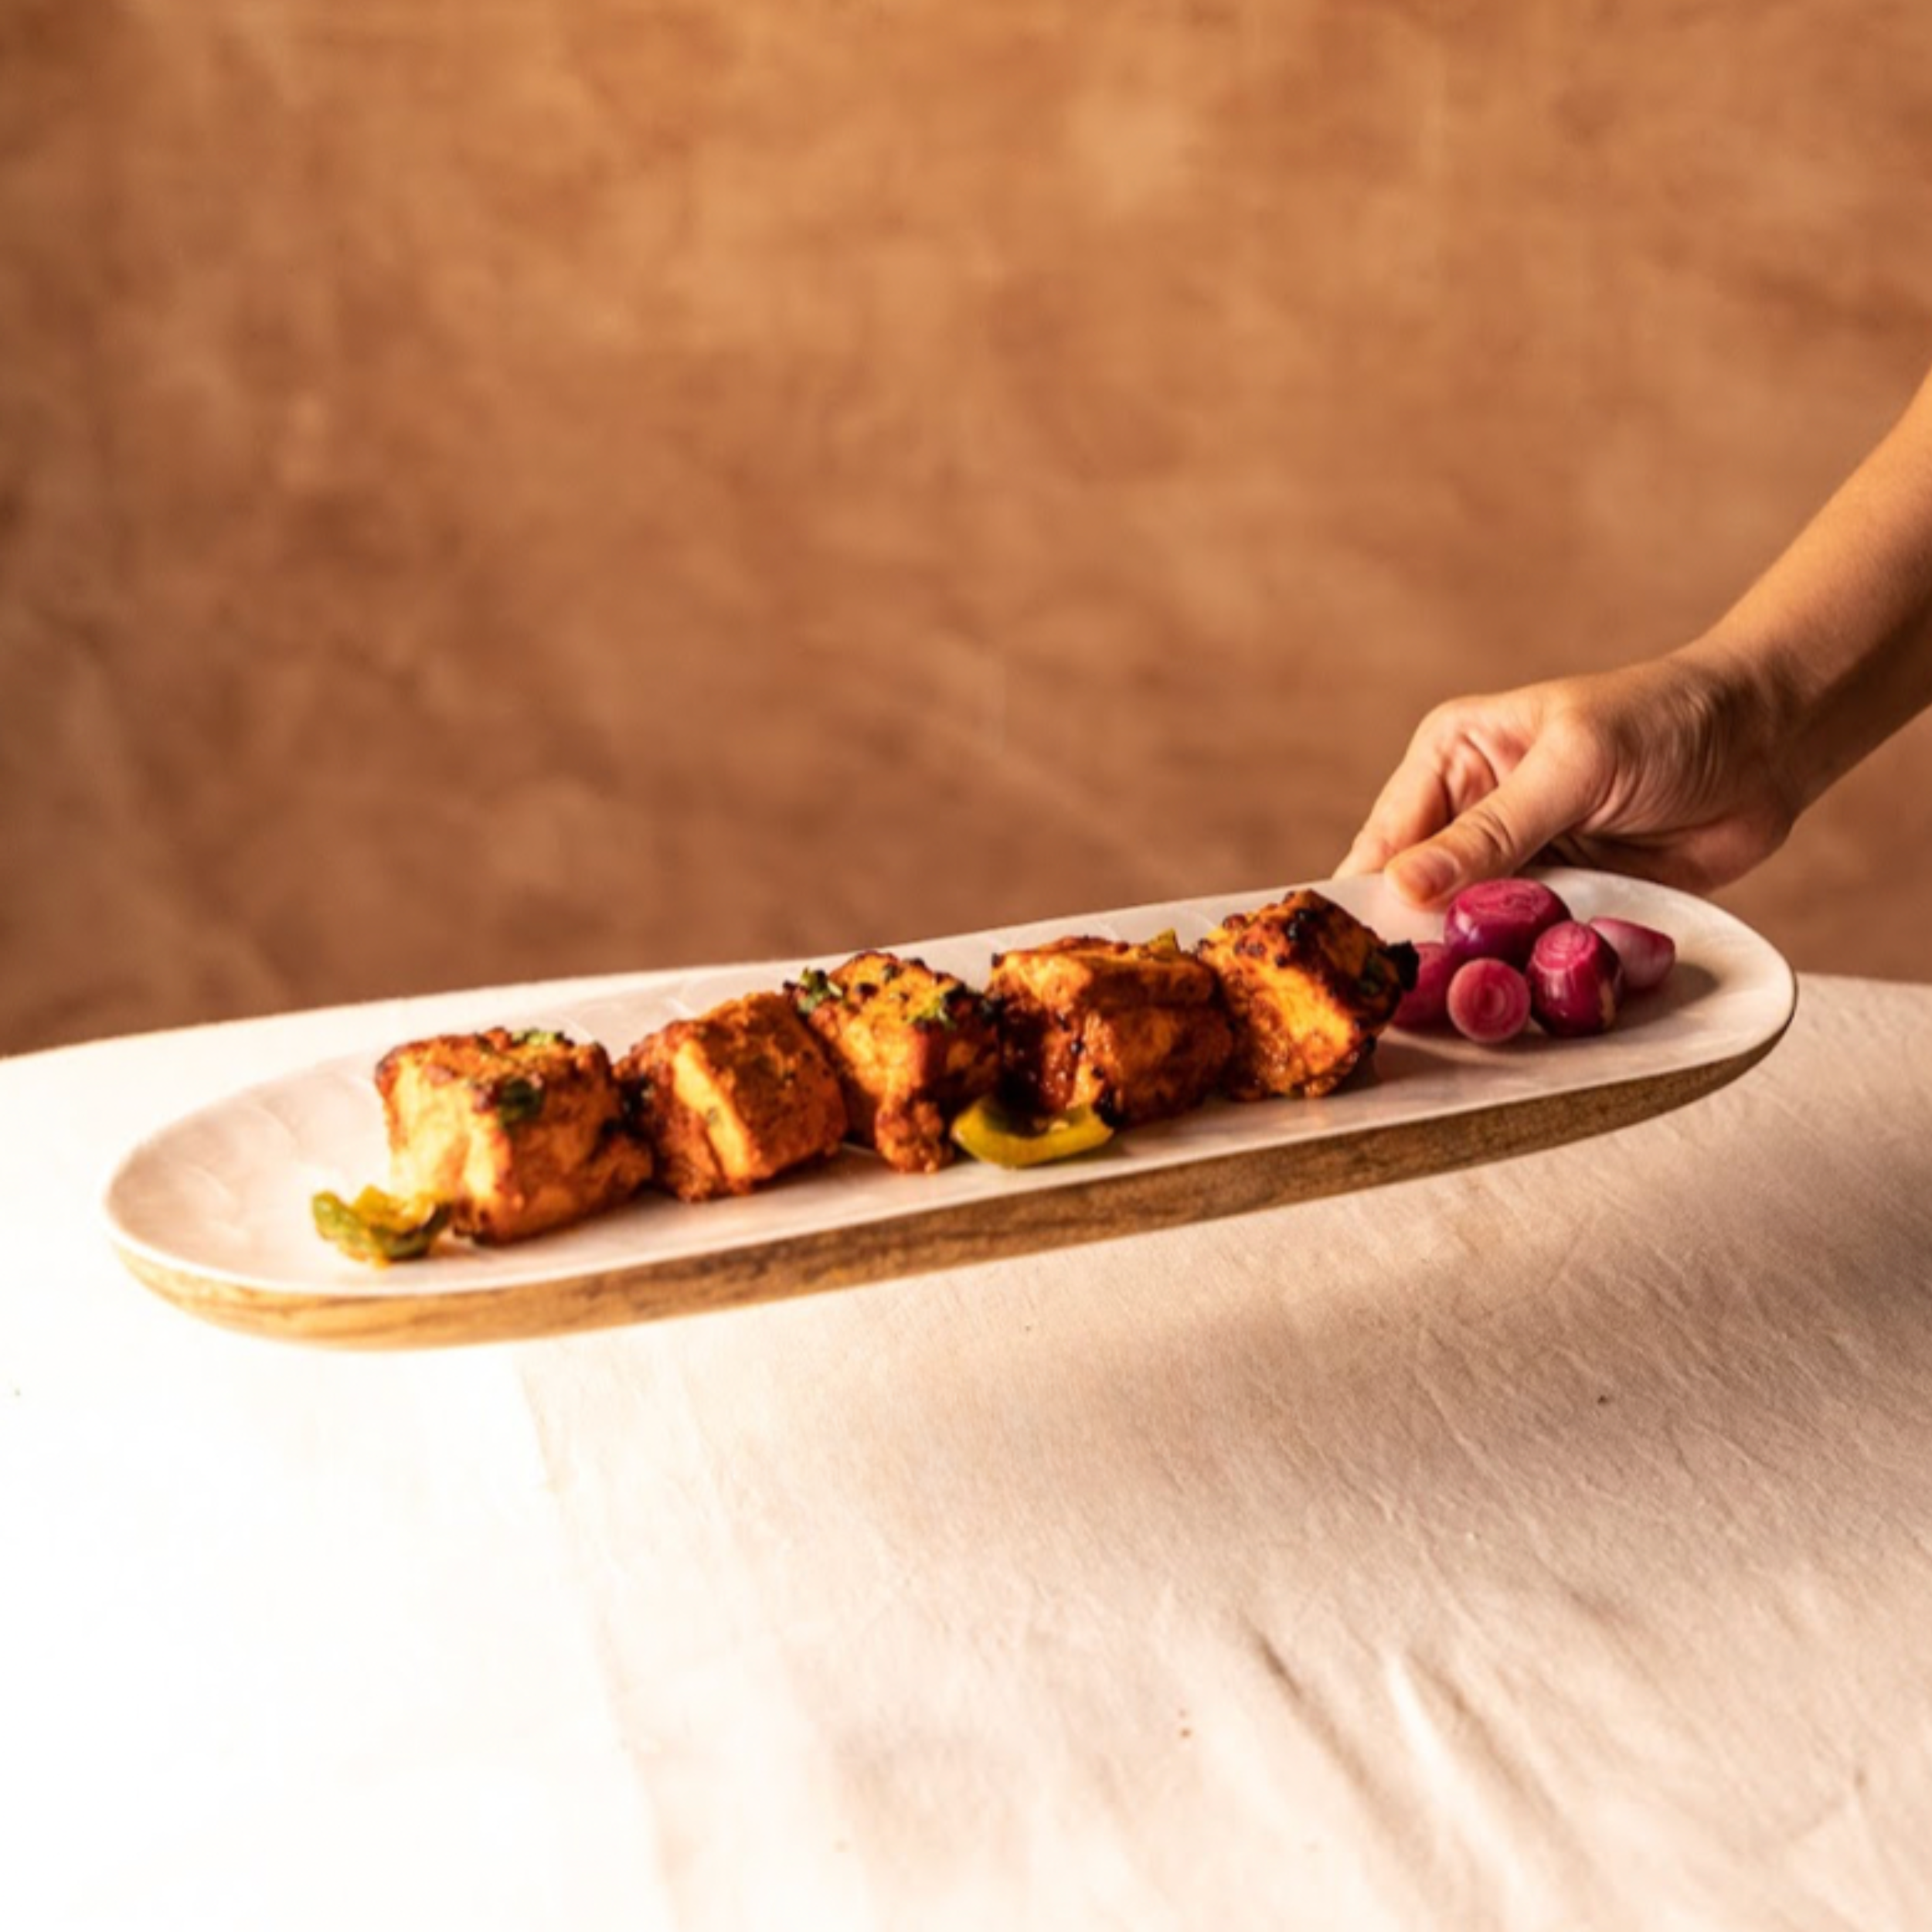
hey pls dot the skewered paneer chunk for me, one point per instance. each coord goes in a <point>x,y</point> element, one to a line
<point>517,1132</point>
<point>911,1048</point>
<point>1309,987</point>
<point>733,1097</point>
<point>1134,1032</point>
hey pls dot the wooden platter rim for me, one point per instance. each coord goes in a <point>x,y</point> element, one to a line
<point>1109,1207</point>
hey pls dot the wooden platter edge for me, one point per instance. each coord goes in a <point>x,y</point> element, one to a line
<point>1110,1206</point>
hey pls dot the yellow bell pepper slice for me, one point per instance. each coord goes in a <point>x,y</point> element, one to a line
<point>380,1228</point>
<point>991,1131</point>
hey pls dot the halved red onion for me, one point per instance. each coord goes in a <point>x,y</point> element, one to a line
<point>1576,980</point>
<point>1647,954</point>
<point>1488,1000</point>
<point>1426,1003</point>
<point>1501,919</point>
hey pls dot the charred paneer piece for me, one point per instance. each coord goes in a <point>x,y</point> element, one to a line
<point>733,1097</point>
<point>1133,1031</point>
<point>911,1048</point>
<point>1309,987</point>
<point>517,1132</point>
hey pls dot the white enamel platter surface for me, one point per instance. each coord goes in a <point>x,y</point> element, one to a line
<point>213,1212</point>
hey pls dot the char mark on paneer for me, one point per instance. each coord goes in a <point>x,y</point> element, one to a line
<point>911,1048</point>
<point>518,1132</point>
<point>1309,987</point>
<point>1133,1031</point>
<point>733,1097</point>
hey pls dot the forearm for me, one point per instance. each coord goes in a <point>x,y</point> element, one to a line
<point>1835,639</point>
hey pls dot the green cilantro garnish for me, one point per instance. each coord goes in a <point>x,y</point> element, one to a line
<point>519,1101</point>
<point>814,988</point>
<point>936,1011</point>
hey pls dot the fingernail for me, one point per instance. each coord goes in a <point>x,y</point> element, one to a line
<point>1422,877</point>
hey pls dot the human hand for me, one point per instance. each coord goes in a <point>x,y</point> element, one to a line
<point>1670,769</point>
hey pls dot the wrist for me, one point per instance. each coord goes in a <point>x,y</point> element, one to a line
<point>1761,705</point>
<point>1832,646</point>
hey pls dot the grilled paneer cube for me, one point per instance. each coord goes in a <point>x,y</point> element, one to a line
<point>1134,1032</point>
<point>517,1132</point>
<point>911,1048</point>
<point>733,1097</point>
<point>1308,986</point>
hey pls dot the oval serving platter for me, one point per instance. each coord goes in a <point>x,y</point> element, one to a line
<point>213,1212</point>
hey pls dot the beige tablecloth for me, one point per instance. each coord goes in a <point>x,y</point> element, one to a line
<point>1546,1545</point>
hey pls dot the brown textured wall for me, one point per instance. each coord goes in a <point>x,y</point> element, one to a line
<point>494,490</point>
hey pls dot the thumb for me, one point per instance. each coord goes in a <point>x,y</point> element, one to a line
<point>1541,799</point>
